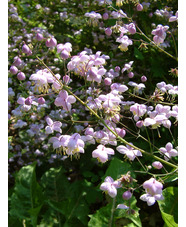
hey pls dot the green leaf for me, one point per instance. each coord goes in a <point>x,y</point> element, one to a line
<point>55,184</point>
<point>117,168</point>
<point>27,199</point>
<point>169,206</point>
<point>122,215</point>
<point>101,217</point>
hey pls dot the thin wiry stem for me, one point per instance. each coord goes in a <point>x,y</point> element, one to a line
<point>103,122</point>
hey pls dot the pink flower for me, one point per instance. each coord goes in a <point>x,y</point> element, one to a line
<point>125,42</point>
<point>110,186</point>
<point>64,50</point>
<point>71,144</point>
<point>95,74</point>
<point>53,126</point>
<point>64,100</point>
<point>159,33</point>
<point>101,153</point>
<point>174,18</point>
<point>138,110</point>
<point>129,151</point>
<point>168,151</point>
<point>110,100</point>
<point>153,191</point>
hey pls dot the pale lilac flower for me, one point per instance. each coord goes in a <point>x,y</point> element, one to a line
<point>155,119</point>
<point>122,206</point>
<point>159,33</point>
<point>64,100</point>
<point>19,124</point>
<point>109,100</point>
<point>73,144</point>
<point>161,86</point>
<point>95,74</point>
<point>94,18</point>
<point>127,66</point>
<point>131,28</point>
<point>138,88</point>
<point>119,87</point>
<point>174,18</point>
<point>129,151</point>
<point>168,151</point>
<point>64,50</point>
<point>53,126</point>
<point>138,110</point>
<point>153,191</point>
<point>125,42</point>
<point>42,78</point>
<point>101,153</point>
<point>24,106</point>
<point>118,14</point>
<point>110,186</point>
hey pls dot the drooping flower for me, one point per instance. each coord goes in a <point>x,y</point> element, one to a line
<point>102,152</point>
<point>125,42</point>
<point>53,126</point>
<point>168,151</point>
<point>129,151</point>
<point>64,100</point>
<point>159,33</point>
<point>153,191</point>
<point>110,186</point>
<point>138,110</point>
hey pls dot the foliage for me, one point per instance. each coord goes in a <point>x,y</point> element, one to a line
<point>61,186</point>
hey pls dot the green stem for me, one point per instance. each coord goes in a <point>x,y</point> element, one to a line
<point>142,33</point>
<point>103,122</point>
<point>112,212</point>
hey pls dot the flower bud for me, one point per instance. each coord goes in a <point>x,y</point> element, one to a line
<point>17,61</point>
<point>21,76</point>
<point>41,100</point>
<point>108,31</point>
<point>157,165</point>
<point>139,124</point>
<point>28,101</point>
<point>107,81</point>
<point>139,7</point>
<point>130,74</point>
<point>117,68</point>
<point>127,195</point>
<point>65,54</point>
<point>51,42</point>
<point>105,16</point>
<point>39,36</point>
<point>25,49</point>
<point>143,78</point>
<point>66,79</point>
<point>131,28</point>
<point>13,70</point>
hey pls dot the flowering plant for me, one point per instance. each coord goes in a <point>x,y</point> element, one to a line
<point>88,115</point>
